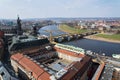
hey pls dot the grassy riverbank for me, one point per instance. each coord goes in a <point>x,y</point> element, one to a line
<point>111,37</point>
<point>69,29</point>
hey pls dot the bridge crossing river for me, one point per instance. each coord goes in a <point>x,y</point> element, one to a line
<point>99,47</point>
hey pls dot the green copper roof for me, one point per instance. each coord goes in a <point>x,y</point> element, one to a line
<point>72,48</point>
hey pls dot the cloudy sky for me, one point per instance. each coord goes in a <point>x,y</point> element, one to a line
<point>59,8</point>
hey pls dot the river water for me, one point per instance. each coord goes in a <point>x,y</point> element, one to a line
<point>99,47</point>
<point>53,28</point>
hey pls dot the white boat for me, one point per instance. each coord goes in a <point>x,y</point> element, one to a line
<point>116,56</point>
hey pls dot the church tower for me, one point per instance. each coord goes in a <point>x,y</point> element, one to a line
<point>19,29</point>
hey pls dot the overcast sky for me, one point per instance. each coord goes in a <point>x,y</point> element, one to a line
<point>59,8</point>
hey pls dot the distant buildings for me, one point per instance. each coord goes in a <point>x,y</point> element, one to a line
<point>12,29</point>
<point>38,59</point>
<point>8,29</point>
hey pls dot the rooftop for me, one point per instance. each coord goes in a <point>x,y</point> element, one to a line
<point>68,52</point>
<point>39,70</point>
<point>23,38</point>
<point>115,62</point>
<point>98,71</point>
<point>76,67</point>
<point>24,42</point>
<point>46,61</point>
<point>4,74</point>
<point>107,72</point>
<point>71,48</point>
<point>30,66</point>
<point>116,74</point>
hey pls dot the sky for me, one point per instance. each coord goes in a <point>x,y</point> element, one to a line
<point>9,9</point>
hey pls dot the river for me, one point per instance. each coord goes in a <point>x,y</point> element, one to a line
<point>99,47</point>
<point>53,28</point>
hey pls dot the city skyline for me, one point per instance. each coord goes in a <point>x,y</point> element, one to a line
<point>62,8</point>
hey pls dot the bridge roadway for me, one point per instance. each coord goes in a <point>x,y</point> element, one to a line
<point>70,37</point>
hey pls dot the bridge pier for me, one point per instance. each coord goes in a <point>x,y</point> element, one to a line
<point>67,38</point>
<point>58,39</point>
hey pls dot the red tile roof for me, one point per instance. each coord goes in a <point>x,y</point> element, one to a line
<point>78,67</point>
<point>17,57</point>
<point>44,76</point>
<point>29,65</point>
<point>100,71</point>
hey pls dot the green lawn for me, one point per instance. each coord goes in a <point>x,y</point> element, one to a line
<point>112,37</point>
<point>69,29</point>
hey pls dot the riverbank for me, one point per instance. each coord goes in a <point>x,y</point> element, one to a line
<point>115,38</point>
<point>68,29</point>
<point>94,37</point>
<point>109,36</point>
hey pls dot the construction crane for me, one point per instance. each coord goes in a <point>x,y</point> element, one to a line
<point>50,37</point>
<point>51,32</point>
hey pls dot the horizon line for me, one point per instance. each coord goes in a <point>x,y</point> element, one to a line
<point>56,17</point>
